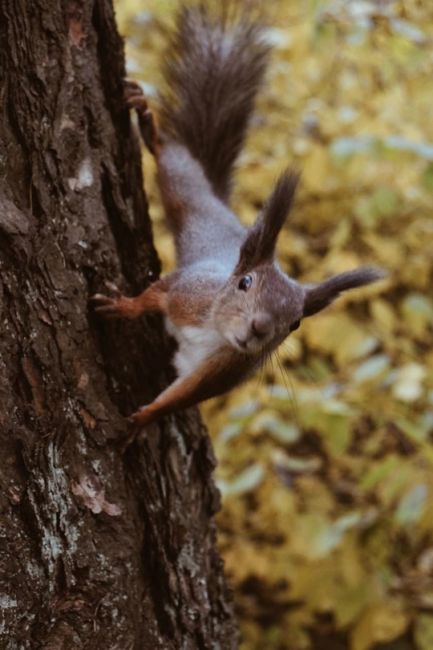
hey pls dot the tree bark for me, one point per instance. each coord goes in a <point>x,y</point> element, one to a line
<point>99,548</point>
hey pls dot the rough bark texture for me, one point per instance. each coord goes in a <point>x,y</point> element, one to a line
<point>97,549</point>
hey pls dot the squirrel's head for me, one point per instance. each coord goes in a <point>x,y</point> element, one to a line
<point>259,305</point>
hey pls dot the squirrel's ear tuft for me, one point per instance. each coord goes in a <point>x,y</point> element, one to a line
<point>319,296</point>
<point>259,246</point>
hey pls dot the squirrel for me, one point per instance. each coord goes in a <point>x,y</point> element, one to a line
<point>228,304</point>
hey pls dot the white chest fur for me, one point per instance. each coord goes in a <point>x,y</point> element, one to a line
<point>195,345</point>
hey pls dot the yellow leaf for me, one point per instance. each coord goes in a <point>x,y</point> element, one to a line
<point>408,386</point>
<point>423,632</point>
<point>316,170</point>
<point>382,622</point>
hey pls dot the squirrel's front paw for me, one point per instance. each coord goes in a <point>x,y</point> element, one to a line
<point>143,416</point>
<point>115,306</point>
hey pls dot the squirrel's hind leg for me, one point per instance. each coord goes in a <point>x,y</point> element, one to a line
<point>134,98</point>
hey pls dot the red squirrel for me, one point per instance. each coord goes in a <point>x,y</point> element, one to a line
<point>228,304</point>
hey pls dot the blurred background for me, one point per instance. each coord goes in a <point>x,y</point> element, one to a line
<point>326,458</point>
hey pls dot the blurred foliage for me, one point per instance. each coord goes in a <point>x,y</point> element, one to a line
<point>326,459</point>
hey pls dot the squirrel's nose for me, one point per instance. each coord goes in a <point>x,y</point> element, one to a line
<point>261,325</point>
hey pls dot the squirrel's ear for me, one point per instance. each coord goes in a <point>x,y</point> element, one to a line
<point>259,246</point>
<point>319,296</point>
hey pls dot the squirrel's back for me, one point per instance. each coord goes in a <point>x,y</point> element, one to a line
<point>213,72</point>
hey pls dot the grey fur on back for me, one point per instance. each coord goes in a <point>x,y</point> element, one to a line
<point>214,69</point>
<point>206,230</point>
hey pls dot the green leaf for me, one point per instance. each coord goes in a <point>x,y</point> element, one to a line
<point>249,479</point>
<point>296,464</point>
<point>408,386</point>
<point>379,471</point>
<point>271,423</point>
<point>427,177</point>
<point>423,631</point>
<point>373,369</point>
<point>411,505</point>
<point>244,410</point>
<point>230,431</point>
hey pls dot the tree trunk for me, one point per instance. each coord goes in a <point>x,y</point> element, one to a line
<point>99,548</point>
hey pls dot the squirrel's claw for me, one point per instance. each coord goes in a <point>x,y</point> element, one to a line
<point>109,311</point>
<point>113,288</point>
<point>139,102</point>
<point>137,420</point>
<point>134,96</point>
<point>118,306</point>
<point>143,416</point>
<point>132,87</point>
<point>100,301</point>
<point>115,306</point>
<point>109,306</point>
<point>135,99</point>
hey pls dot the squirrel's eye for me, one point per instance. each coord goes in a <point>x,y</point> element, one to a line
<point>294,326</point>
<point>245,283</point>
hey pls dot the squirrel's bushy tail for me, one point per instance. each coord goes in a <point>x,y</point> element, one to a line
<point>215,66</point>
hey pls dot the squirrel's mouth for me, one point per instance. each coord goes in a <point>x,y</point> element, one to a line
<point>241,343</point>
<point>248,346</point>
